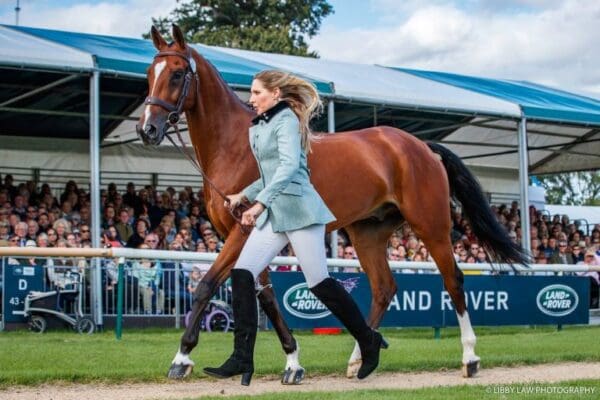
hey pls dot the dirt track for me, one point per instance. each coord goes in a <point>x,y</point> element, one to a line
<point>546,373</point>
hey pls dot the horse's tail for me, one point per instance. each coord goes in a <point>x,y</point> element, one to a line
<point>465,188</point>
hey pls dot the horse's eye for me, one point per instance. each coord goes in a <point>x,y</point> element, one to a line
<point>177,75</point>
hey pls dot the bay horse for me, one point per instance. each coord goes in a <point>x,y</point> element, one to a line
<point>373,180</point>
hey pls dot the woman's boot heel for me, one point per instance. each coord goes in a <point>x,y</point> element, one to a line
<point>246,378</point>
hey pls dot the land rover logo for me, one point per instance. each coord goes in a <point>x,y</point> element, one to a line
<point>301,302</point>
<point>557,300</point>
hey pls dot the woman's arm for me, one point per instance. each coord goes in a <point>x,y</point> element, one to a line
<point>289,148</point>
<point>252,190</point>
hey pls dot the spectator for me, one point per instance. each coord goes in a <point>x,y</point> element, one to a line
<point>137,238</point>
<point>122,226</point>
<point>151,241</point>
<point>111,237</point>
<point>201,247</point>
<point>42,240</point>
<point>62,227</point>
<point>148,274</point>
<point>32,229</point>
<point>349,254</point>
<point>561,256</point>
<point>4,230</point>
<point>591,259</point>
<point>578,255</point>
<point>21,233</point>
<point>195,277</point>
<point>52,237</point>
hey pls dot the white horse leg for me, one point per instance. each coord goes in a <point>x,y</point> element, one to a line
<point>181,366</point>
<point>354,362</point>
<point>294,373</point>
<point>470,360</point>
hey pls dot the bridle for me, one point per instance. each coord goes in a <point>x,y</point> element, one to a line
<point>190,71</point>
<point>173,118</point>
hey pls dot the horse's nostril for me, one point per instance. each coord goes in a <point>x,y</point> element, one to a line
<point>150,130</point>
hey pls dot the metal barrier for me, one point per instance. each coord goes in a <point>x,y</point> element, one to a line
<point>169,299</point>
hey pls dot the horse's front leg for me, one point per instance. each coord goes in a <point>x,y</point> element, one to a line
<point>293,373</point>
<point>182,365</point>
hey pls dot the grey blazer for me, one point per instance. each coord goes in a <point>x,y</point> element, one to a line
<point>284,187</point>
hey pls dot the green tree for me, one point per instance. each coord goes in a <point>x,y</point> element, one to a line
<point>276,26</point>
<point>575,188</point>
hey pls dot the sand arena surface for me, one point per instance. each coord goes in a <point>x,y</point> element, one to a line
<point>546,373</point>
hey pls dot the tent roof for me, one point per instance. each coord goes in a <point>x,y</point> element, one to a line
<point>45,85</point>
<point>19,49</point>
<point>537,102</point>
<point>133,56</point>
<point>383,86</point>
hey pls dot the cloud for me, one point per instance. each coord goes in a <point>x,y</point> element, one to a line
<point>124,18</point>
<point>545,41</point>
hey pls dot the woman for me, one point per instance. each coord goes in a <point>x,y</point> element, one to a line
<point>287,208</point>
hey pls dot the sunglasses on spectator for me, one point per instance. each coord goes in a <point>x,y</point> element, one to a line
<point>349,253</point>
<point>151,241</point>
<point>15,240</point>
<point>85,231</point>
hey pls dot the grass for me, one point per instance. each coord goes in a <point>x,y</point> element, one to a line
<point>145,355</point>
<point>464,392</point>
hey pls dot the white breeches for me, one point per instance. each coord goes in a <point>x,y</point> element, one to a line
<point>308,244</point>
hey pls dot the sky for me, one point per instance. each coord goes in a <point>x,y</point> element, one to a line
<point>553,42</point>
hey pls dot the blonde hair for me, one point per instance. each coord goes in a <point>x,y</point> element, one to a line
<point>302,97</point>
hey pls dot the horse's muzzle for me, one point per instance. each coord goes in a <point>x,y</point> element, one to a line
<point>149,134</point>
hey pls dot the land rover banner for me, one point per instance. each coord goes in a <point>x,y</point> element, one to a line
<point>421,300</point>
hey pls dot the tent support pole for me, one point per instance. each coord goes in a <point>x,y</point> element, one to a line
<point>524,185</point>
<point>96,291</point>
<point>333,238</point>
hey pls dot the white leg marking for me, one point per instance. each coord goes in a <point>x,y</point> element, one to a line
<point>183,359</point>
<point>354,362</point>
<point>292,361</point>
<point>467,337</point>
<point>158,68</point>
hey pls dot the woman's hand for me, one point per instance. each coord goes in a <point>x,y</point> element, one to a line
<point>234,201</point>
<point>250,216</point>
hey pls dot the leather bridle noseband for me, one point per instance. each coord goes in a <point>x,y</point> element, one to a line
<point>173,119</point>
<point>190,70</point>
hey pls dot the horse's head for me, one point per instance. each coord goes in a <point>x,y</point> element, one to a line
<point>171,76</point>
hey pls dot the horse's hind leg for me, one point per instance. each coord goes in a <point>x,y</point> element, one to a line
<point>182,365</point>
<point>369,238</point>
<point>453,282</point>
<point>293,373</point>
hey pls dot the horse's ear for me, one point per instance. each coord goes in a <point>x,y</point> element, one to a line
<point>157,38</point>
<point>178,36</point>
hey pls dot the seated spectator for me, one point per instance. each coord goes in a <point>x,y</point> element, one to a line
<point>576,253</point>
<point>349,254</point>
<point>141,230</point>
<point>111,237</point>
<point>122,226</point>
<point>590,259</point>
<point>562,256</point>
<point>4,230</point>
<point>201,247</point>
<point>62,227</point>
<point>212,244</point>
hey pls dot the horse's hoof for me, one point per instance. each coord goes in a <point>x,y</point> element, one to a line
<point>180,371</point>
<point>470,369</point>
<point>292,377</point>
<point>353,368</point>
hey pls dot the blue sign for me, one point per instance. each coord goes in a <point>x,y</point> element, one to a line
<point>18,281</point>
<point>421,300</point>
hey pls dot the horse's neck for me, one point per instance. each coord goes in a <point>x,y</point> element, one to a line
<point>218,124</point>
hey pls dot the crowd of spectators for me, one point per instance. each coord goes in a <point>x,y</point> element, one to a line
<point>172,220</point>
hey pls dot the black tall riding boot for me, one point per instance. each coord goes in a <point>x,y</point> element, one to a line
<point>331,293</point>
<point>245,316</point>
